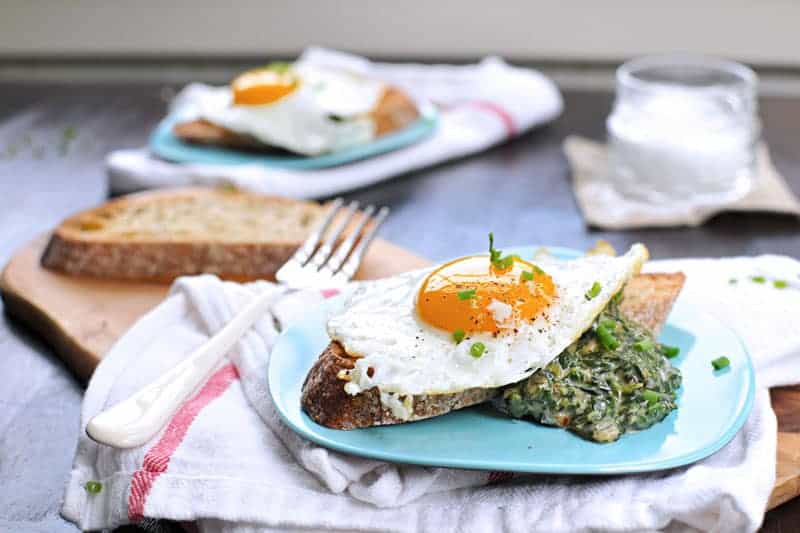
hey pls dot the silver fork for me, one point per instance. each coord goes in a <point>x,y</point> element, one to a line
<point>325,260</point>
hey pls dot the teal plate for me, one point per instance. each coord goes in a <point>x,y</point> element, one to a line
<point>165,145</point>
<point>712,407</point>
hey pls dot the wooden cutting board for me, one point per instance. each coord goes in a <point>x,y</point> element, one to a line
<point>82,317</point>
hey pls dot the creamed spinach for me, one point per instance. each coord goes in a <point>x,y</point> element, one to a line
<point>613,379</point>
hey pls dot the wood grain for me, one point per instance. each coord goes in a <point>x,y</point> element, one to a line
<point>82,317</point>
<point>786,403</point>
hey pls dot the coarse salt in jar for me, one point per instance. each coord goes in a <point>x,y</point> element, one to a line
<point>684,129</point>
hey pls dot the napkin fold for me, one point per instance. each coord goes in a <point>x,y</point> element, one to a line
<point>604,207</point>
<point>480,105</point>
<point>226,460</point>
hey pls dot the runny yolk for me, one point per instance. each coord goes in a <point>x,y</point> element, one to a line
<point>443,300</point>
<point>262,86</point>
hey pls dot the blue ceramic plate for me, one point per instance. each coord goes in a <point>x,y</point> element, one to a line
<point>712,406</point>
<point>164,144</point>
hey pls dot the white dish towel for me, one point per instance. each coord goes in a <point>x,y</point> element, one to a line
<point>481,105</point>
<point>226,460</point>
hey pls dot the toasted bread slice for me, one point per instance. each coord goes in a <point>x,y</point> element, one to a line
<point>394,111</point>
<point>647,299</point>
<point>161,235</point>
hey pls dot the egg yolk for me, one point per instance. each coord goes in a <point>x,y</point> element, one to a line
<point>263,86</point>
<point>461,295</point>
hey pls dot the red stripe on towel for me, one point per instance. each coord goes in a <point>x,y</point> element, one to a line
<point>499,111</point>
<point>502,114</point>
<point>157,458</point>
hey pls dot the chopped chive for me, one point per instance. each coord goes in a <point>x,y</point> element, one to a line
<point>458,335</point>
<point>68,135</point>
<point>644,345</point>
<point>280,67</point>
<point>468,294</point>
<point>607,338</point>
<point>780,283</point>
<point>758,279</point>
<point>733,281</point>
<point>537,270</point>
<point>477,349</point>
<point>93,487</point>
<point>594,290</point>
<point>670,351</point>
<point>526,276</point>
<point>720,362</point>
<point>651,396</point>
<point>494,255</point>
<point>609,324</point>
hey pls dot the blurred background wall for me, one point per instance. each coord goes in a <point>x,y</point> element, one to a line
<point>758,31</point>
<point>53,33</point>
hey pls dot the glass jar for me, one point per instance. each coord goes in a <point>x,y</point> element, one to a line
<point>684,128</point>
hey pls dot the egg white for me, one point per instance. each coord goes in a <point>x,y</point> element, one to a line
<point>303,121</point>
<point>379,325</point>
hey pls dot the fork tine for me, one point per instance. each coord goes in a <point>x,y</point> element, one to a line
<point>303,254</point>
<point>344,249</point>
<point>291,273</point>
<point>351,265</point>
<point>324,252</point>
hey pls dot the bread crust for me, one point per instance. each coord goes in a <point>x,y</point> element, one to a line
<point>394,111</point>
<point>74,250</point>
<point>647,299</point>
<point>325,400</point>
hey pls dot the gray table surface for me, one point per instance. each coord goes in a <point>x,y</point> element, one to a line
<point>519,190</point>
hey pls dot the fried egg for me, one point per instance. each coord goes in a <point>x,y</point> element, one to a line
<point>479,321</point>
<point>302,108</point>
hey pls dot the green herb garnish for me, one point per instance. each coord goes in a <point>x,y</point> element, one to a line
<point>594,290</point>
<point>644,345</point>
<point>720,362</point>
<point>93,487</point>
<point>780,283</point>
<point>606,338</point>
<point>477,349</point>
<point>497,258</point>
<point>458,335</point>
<point>670,351</point>
<point>758,279</point>
<point>651,396</point>
<point>280,67</point>
<point>468,294</point>
<point>494,255</point>
<point>609,324</point>
<point>68,135</point>
<point>537,270</point>
<point>526,276</point>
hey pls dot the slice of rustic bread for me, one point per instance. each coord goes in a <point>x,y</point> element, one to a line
<point>647,299</point>
<point>395,111</point>
<point>169,233</point>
